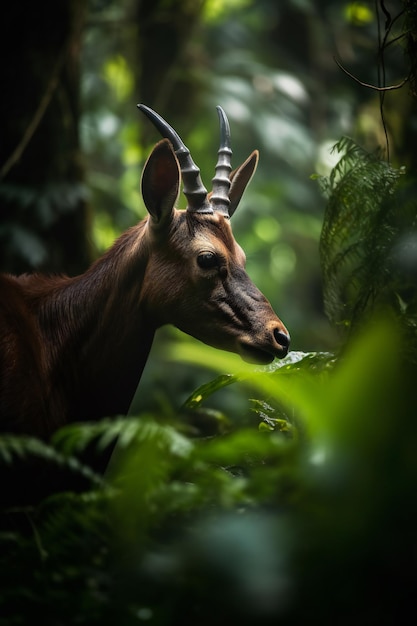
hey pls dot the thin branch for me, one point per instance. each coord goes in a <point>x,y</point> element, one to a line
<point>387,14</point>
<point>398,37</point>
<point>381,67</point>
<point>369,86</point>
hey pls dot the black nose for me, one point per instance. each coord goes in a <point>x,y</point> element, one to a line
<point>283,339</point>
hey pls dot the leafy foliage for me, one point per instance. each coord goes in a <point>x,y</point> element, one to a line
<point>368,241</point>
<point>28,213</point>
<point>249,525</point>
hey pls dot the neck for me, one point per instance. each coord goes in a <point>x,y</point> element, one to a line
<point>99,332</point>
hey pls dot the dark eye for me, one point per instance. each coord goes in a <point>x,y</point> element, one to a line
<point>207,260</point>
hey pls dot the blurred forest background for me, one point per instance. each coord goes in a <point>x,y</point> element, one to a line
<point>72,143</point>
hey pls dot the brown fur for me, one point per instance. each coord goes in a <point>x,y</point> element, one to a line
<point>74,348</point>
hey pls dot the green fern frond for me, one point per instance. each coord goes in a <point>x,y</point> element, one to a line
<point>66,519</point>
<point>17,452</point>
<point>364,221</point>
<point>125,431</point>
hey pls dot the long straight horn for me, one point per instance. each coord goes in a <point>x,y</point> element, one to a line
<point>193,187</point>
<point>221,182</point>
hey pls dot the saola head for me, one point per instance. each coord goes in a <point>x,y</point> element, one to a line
<point>195,276</point>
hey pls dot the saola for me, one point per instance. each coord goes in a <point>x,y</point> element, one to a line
<point>74,348</point>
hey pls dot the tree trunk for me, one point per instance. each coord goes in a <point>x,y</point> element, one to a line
<point>42,195</point>
<point>166,68</point>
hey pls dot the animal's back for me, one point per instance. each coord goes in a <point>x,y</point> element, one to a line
<point>22,381</point>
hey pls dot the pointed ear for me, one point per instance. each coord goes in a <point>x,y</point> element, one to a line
<point>161,182</point>
<point>240,179</point>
